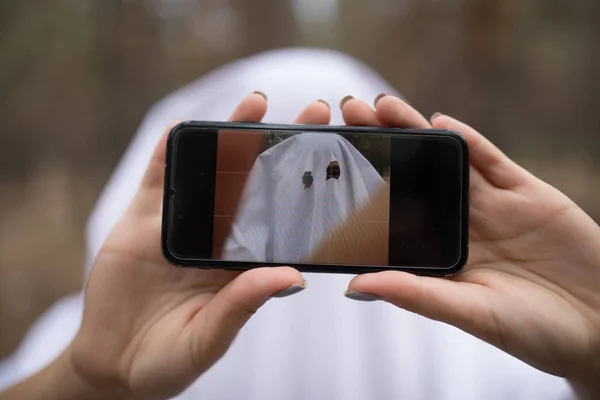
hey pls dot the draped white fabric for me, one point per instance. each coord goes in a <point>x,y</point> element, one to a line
<point>316,344</point>
<point>280,219</point>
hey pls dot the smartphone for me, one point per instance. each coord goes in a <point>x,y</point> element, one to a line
<point>331,199</point>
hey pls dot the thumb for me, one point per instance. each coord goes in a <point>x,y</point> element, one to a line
<point>215,327</point>
<point>461,304</point>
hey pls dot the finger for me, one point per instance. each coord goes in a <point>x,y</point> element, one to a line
<point>461,304</point>
<point>478,188</point>
<point>358,113</point>
<point>490,161</point>
<point>252,109</point>
<point>149,195</point>
<point>218,323</point>
<point>393,112</point>
<point>317,113</point>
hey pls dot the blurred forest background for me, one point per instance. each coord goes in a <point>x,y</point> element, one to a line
<point>77,76</point>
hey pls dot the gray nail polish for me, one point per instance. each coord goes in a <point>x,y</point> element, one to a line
<point>360,296</point>
<point>379,97</point>
<point>290,290</point>
<point>344,101</point>
<point>258,92</point>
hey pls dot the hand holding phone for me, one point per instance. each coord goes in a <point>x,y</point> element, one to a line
<point>150,329</point>
<point>532,284</point>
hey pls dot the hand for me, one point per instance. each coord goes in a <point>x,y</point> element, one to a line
<point>532,283</point>
<point>150,328</point>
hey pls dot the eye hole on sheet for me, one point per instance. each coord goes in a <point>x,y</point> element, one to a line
<point>333,170</point>
<point>307,179</point>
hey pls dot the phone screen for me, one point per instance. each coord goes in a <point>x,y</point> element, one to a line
<point>327,198</point>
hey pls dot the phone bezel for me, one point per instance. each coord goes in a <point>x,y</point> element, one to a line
<point>310,267</point>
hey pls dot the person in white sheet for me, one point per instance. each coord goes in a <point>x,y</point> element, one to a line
<point>281,218</point>
<point>317,344</point>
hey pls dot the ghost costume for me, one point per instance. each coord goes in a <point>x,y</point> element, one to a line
<point>281,218</point>
<point>316,344</point>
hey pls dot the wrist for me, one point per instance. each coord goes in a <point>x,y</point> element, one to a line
<point>588,386</point>
<point>61,381</point>
<point>67,373</point>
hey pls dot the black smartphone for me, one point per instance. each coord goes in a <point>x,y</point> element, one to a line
<point>318,198</point>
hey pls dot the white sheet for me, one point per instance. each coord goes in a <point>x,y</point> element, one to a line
<point>279,218</point>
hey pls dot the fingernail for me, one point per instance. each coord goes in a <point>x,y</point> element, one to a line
<point>360,296</point>
<point>435,115</point>
<point>378,98</point>
<point>260,94</point>
<point>290,290</point>
<point>344,101</point>
<point>324,102</point>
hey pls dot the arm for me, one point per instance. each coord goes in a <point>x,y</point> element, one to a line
<point>587,388</point>
<point>60,381</point>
